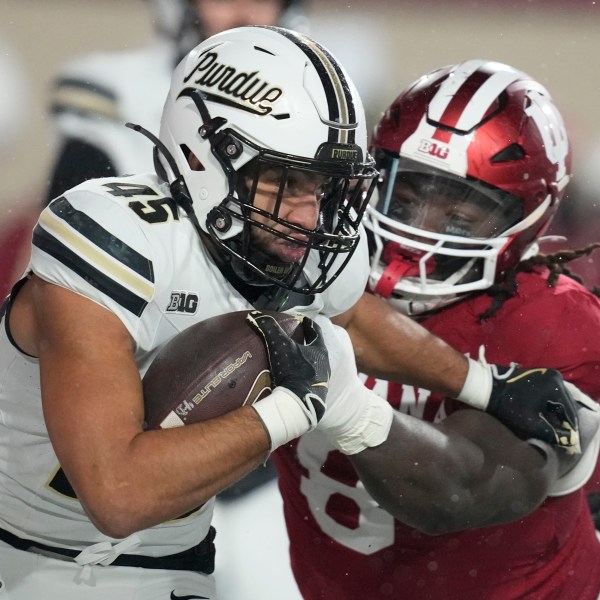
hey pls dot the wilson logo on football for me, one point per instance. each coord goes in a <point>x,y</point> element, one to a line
<point>434,149</point>
<point>183,302</point>
<point>221,377</point>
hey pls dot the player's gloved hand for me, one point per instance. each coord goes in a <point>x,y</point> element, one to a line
<point>356,418</point>
<point>300,375</point>
<point>533,403</point>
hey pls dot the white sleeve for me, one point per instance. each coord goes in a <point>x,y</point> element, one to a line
<point>355,417</point>
<point>89,243</point>
<point>589,419</point>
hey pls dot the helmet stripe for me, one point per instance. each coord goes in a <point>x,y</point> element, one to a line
<point>342,112</point>
<point>487,86</point>
<point>80,243</point>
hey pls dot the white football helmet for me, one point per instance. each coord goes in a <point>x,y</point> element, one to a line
<point>473,159</point>
<point>256,99</point>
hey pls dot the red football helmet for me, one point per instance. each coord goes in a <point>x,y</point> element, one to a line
<point>474,159</point>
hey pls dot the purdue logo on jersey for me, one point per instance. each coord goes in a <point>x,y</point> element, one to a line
<point>183,302</point>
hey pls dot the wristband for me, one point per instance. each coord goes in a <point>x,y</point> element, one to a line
<point>282,417</point>
<point>477,389</point>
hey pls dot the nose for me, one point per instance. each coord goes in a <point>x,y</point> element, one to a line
<point>303,211</point>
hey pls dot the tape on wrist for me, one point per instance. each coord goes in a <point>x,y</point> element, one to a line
<point>282,416</point>
<point>371,430</point>
<point>477,388</point>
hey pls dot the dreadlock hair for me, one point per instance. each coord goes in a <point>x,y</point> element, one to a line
<point>555,263</point>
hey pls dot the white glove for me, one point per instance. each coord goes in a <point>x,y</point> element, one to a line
<point>355,417</point>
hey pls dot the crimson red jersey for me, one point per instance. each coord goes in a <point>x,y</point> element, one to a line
<point>343,546</point>
<point>14,250</point>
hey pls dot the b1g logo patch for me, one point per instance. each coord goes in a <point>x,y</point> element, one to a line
<point>434,149</point>
<point>183,302</point>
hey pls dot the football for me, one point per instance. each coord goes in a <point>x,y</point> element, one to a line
<point>209,369</point>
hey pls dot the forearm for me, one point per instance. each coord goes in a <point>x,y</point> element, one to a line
<point>390,346</point>
<point>468,471</point>
<point>163,474</point>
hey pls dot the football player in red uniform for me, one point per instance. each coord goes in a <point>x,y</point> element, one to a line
<point>474,160</point>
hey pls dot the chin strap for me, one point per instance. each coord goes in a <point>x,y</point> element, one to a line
<point>399,264</point>
<point>392,273</point>
<point>264,295</point>
<point>178,187</point>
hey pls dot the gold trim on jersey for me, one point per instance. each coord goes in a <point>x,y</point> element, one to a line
<point>85,100</point>
<point>58,483</point>
<point>95,257</point>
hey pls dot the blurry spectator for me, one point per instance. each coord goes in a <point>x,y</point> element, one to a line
<point>13,94</point>
<point>94,95</point>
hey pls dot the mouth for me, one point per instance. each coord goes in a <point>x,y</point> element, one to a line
<point>289,250</point>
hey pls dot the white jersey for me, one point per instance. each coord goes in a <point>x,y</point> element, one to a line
<point>95,95</point>
<point>122,243</point>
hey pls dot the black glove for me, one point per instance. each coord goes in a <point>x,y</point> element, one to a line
<point>302,369</point>
<point>535,403</point>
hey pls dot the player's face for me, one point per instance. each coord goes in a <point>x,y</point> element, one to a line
<point>300,205</point>
<point>219,15</point>
<point>443,211</point>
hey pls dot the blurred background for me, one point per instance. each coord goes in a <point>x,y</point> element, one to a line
<point>384,44</point>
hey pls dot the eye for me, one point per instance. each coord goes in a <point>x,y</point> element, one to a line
<point>461,225</point>
<point>271,176</point>
<point>299,184</point>
<point>293,185</point>
<point>404,207</point>
<point>327,188</point>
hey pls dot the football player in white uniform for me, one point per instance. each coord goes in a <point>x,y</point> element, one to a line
<point>94,95</point>
<point>118,254</point>
<point>262,176</point>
